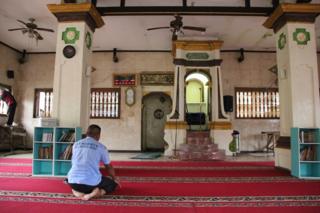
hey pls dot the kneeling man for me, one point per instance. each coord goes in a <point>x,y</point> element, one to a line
<point>84,176</point>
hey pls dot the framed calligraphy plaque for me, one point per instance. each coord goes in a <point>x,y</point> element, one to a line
<point>157,78</point>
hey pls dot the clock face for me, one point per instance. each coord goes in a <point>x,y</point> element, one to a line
<point>130,96</point>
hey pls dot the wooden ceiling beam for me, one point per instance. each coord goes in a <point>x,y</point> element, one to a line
<point>185,10</point>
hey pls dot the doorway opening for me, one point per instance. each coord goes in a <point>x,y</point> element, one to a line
<point>156,107</point>
<point>198,99</point>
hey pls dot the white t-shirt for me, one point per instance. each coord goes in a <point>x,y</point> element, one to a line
<point>86,157</point>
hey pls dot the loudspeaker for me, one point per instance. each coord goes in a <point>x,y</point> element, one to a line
<point>23,57</point>
<point>115,57</point>
<point>10,74</point>
<point>228,103</point>
<point>196,118</point>
<point>241,57</point>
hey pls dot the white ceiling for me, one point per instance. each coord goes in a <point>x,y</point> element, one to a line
<point>129,32</point>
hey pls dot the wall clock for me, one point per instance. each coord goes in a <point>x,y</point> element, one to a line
<point>69,51</point>
<point>130,96</point>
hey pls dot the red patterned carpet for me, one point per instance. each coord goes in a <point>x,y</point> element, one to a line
<point>165,187</point>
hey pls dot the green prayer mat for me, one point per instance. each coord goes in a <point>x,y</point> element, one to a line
<point>148,155</point>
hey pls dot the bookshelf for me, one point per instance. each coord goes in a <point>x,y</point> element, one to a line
<point>52,148</point>
<point>305,153</point>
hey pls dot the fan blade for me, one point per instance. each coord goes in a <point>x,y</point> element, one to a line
<point>156,28</point>
<point>44,29</point>
<point>17,29</point>
<point>38,36</point>
<point>202,29</point>
<point>22,22</point>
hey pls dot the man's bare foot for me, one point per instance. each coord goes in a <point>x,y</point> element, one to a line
<point>77,194</point>
<point>102,192</point>
<point>94,193</point>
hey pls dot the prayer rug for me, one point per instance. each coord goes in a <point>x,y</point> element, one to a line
<point>147,155</point>
<point>166,187</point>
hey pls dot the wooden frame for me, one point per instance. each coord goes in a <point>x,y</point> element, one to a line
<point>36,100</point>
<point>271,105</point>
<point>157,78</point>
<point>128,79</point>
<point>110,107</point>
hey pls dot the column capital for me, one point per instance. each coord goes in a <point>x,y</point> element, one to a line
<point>289,12</point>
<point>77,12</point>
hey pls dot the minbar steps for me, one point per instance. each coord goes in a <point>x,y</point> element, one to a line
<point>199,147</point>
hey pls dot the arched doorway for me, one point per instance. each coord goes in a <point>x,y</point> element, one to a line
<point>197,99</point>
<point>156,107</point>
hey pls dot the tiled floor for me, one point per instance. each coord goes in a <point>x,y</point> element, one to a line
<point>126,156</point>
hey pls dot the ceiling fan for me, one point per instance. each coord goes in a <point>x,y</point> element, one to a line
<point>31,29</point>
<point>176,27</point>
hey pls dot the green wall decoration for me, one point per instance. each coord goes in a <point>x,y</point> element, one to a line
<point>282,41</point>
<point>301,36</point>
<point>88,40</point>
<point>197,55</point>
<point>70,35</point>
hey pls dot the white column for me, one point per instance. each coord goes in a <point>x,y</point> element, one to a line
<point>71,81</point>
<point>298,77</point>
<point>71,86</point>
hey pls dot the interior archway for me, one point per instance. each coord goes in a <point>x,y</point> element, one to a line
<point>156,107</point>
<point>197,99</point>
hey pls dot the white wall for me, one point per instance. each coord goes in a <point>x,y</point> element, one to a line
<point>117,134</point>
<point>36,72</point>
<point>252,72</point>
<point>9,61</point>
<point>125,133</point>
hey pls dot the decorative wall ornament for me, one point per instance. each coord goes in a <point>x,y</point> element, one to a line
<point>157,78</point>
<point>88,40</point>
<point>282,41</point>
<point>196,56</point>
<point>124,79</point>
<point>158,114</point>
<point>70,35</point>
<point>130,96</point>
<point>301,36</point>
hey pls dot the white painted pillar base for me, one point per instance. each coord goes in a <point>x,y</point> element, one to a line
<point>282,158</point>
<point>223,138</point>
<point>174,138</point>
